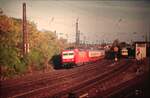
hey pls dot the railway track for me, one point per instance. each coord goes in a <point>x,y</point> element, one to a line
<point>15,82</point>
<point>126,85</point>
<point>124,78</point>
<point>66,86</point>
<point>31,86</point>
<point>80,88</point>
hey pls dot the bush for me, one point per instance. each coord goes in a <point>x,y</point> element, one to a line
<point>10,63</point>
<point>35,59</point>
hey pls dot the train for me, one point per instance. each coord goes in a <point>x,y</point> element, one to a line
<point>79,57</point>
<point>124,52</point>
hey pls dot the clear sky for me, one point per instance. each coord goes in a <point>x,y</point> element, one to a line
<point>98,19</point>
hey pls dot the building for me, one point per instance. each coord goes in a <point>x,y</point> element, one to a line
<point>142,50</point>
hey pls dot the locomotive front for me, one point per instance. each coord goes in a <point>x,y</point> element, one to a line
<point>68,57</point>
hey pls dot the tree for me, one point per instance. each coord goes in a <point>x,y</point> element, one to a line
<point>9,39</point>
<point>115,43</point>
<point>43,45</point>
<point>122,44</point>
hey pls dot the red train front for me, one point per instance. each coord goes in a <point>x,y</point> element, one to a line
<point>68,56</point>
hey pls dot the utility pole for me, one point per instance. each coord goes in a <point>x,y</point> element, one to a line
<point>77,34</point>
<point>25,33</point>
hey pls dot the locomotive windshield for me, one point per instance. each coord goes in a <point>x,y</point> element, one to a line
<point>68,54</point>
<point>65,54</point>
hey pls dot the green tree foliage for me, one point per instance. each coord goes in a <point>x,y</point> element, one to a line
<point>9,38</point>
<point>43,45</point>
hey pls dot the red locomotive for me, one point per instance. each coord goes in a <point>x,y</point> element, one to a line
<point>81,56</point>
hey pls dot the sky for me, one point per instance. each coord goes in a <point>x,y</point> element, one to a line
<point>99,20</point>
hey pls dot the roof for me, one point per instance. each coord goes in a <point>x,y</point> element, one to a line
<point>142,42</point>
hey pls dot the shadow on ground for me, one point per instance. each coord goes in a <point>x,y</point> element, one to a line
<point>56,62</point>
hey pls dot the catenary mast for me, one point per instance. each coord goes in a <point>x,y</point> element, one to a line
<point>25,33</point>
